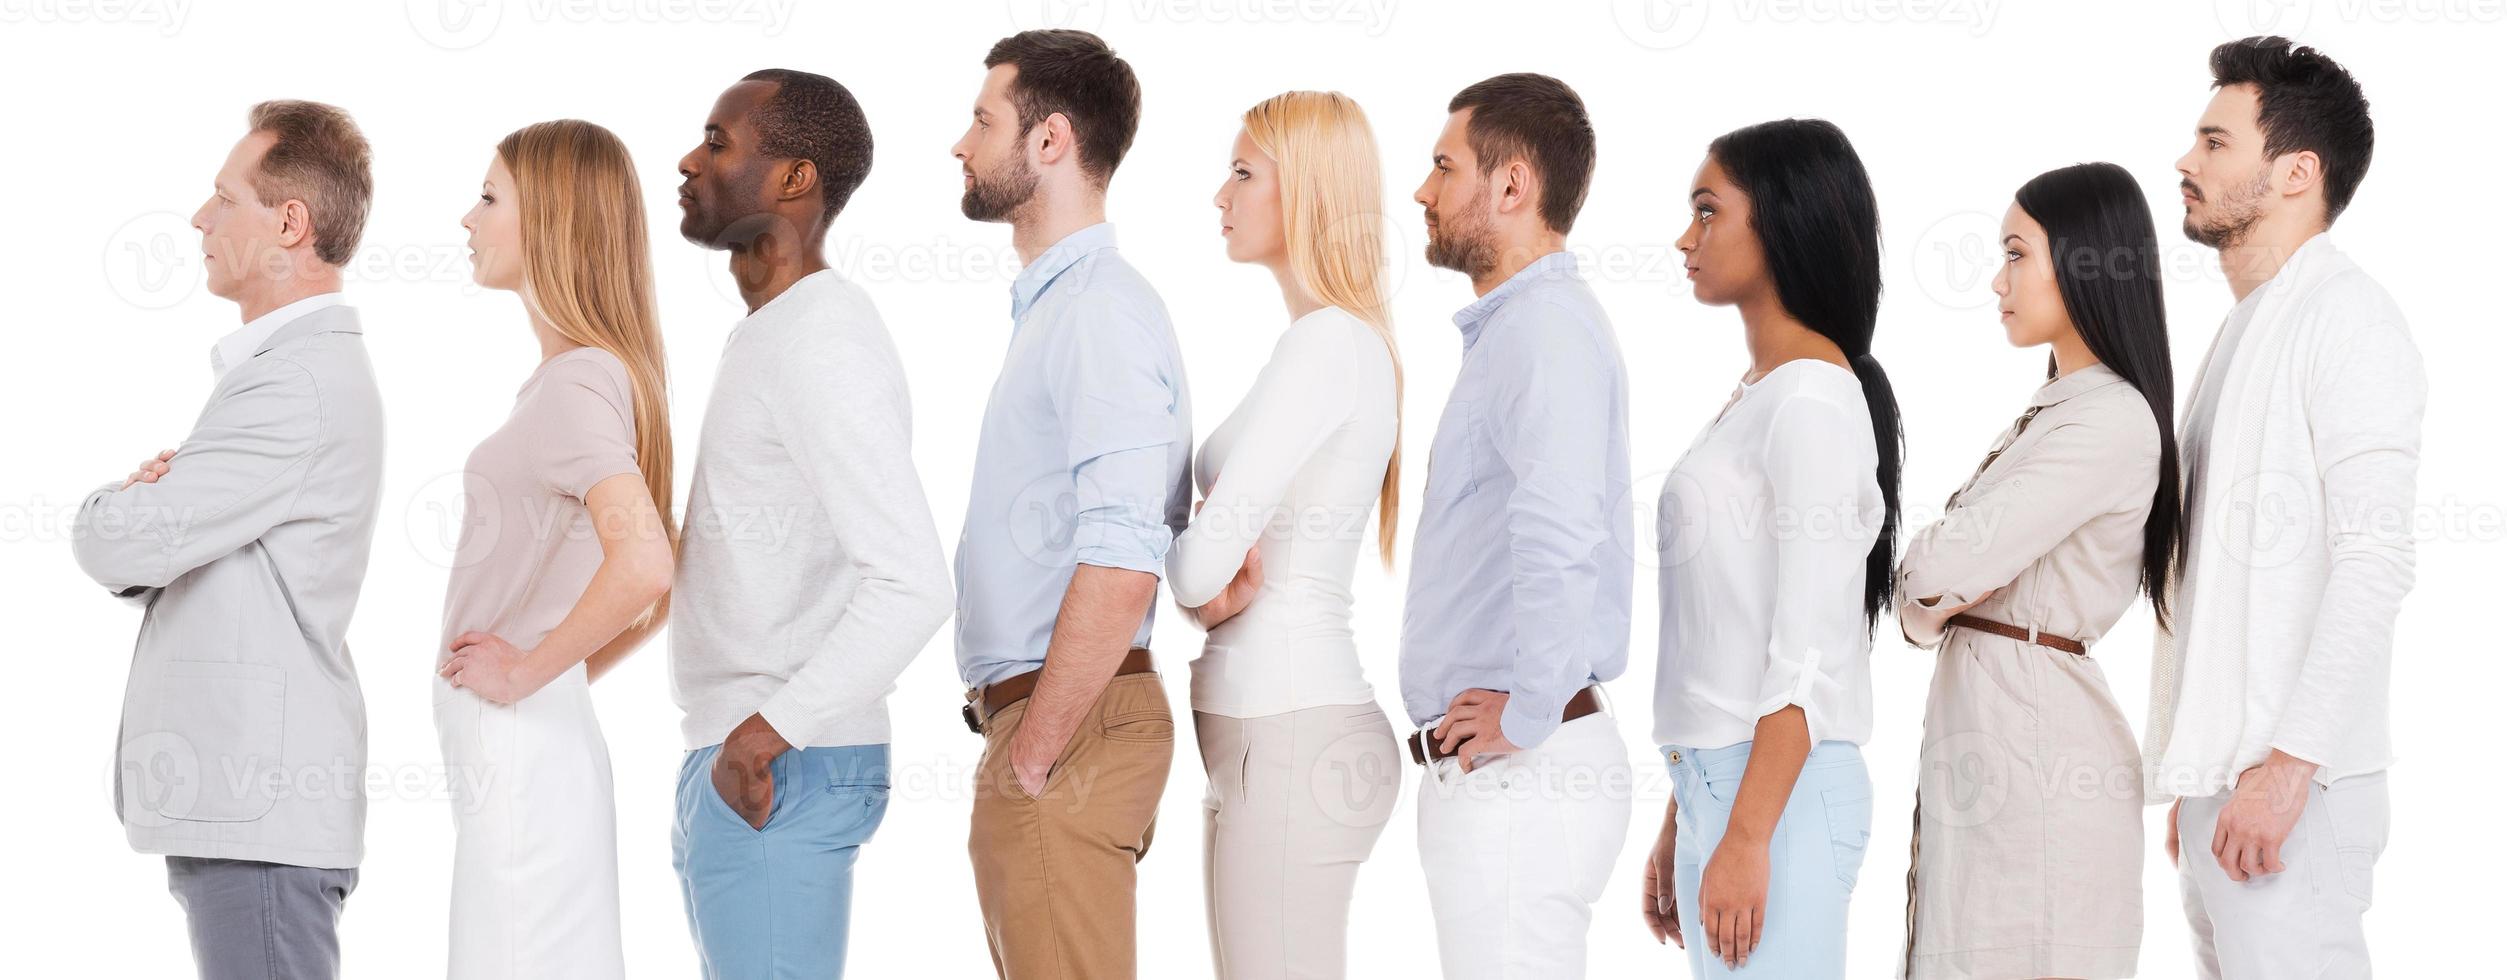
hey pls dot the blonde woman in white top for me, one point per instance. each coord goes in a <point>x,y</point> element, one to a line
<point>1302,763</point>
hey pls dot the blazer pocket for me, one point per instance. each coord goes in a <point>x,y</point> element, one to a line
<point>217,746</point>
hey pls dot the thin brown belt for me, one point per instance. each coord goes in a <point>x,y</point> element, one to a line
<point>2024,635</point>
<point>984,702</point>
<point>1424,750</point>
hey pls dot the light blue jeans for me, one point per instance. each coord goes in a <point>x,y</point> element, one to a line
<point>1812,860</point>
<point>777,902</point>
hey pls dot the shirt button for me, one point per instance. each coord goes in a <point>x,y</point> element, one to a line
<point>1675,757</point>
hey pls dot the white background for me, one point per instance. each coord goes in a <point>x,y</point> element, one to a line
<point>118,115</point>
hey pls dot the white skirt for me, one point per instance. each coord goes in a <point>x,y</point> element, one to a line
<point>535,855</point>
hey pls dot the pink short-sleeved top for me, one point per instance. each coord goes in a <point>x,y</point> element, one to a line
<point>527,548</point>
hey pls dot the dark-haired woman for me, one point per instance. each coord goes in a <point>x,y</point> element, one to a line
<point>1776,530</point>
<point>2028,811</point>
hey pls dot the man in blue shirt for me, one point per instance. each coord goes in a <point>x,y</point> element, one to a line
<point>1521,571</point>
<point>1081,482</point>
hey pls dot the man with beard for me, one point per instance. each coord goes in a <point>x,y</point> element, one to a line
<point>1520,576</point>
<point>1080,486</point>
<point>2300,450</point>
<point>785,645</point>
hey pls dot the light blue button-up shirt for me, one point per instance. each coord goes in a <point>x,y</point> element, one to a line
<point>1085,456</point>
<point>1522,570</point>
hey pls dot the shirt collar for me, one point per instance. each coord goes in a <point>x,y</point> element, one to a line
<point>1033,279</point>
<point>1471,318</point>
<point>2078,382</point>
<point>238,347</point>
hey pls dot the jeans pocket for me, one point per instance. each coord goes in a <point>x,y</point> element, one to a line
<point>712,799</point>
<point>1849,829</point>
<point>856,810</point>
<point>2355,817</point>
<point>1140,726</point>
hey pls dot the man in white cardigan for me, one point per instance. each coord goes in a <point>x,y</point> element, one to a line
<point>2301,447</point>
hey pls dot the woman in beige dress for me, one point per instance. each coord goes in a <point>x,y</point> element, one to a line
<point>2028,819</point>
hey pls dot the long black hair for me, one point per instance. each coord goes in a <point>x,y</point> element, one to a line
<point>2105,251</point>
<point>1818,224</point>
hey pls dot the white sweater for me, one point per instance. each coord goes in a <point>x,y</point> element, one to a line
<point>1295,469</point>
<point>2304,548</point>
<point>810,572</point>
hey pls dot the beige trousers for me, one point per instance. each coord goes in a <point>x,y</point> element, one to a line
<point>1055,872</point>
<point>1295,804</point>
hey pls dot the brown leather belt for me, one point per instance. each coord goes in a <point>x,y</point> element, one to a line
<point>1424,750</point>
<point>1983,625</point>
<point>984,702</point>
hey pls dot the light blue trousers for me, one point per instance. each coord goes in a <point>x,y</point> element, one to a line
<point>1812,860</point>
<point>776,902</point>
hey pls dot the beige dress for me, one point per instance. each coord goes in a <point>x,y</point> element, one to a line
<point>2028,835</point>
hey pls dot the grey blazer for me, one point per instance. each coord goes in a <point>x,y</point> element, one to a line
<point>243,729</point>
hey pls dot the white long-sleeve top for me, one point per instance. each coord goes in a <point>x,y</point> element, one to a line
<point>1294,470</point>
<point>810,573</point>
<point>1766,523</point>
<point>2299,537</point>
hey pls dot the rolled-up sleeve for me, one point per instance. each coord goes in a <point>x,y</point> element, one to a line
<point>1814,480</point>
<point>1554,395</point>
<point>1117,401</point>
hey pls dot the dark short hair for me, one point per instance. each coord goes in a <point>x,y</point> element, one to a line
<point>812,117</point>
<point>319,158</point>
<point>2304,101</point>
<point>1540,120</point>
<point>1075,74</point>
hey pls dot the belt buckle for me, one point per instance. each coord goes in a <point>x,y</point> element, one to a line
<point>974,720</point>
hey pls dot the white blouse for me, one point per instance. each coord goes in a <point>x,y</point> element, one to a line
<point>1294,469</point>
<point>1765,525</point>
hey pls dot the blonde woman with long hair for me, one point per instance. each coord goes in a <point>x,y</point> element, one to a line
<point>565,558</point>
<point>1302,763</point>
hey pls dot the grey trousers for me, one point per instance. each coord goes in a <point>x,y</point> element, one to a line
<point>252,920</point>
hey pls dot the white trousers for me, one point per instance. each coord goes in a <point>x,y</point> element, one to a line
<point>535,853</point>
<point>1296,802</point>
<point>1517,851</point>
<point>2304,921</point>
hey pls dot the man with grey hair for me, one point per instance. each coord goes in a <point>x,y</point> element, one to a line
<point>243,746</point>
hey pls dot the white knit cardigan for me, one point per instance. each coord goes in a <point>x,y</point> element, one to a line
<point>2305,548</point>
